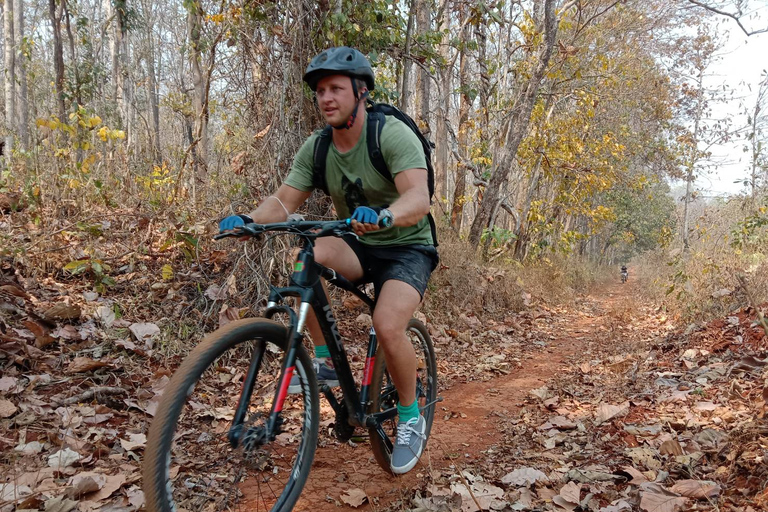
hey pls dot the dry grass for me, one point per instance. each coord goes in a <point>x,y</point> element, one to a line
<point>463,283</point>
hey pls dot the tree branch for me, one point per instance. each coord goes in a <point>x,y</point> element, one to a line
<point>734,17</point>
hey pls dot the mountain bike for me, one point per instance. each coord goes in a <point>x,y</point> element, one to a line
<point>228,435</point>
<point>624,276</point>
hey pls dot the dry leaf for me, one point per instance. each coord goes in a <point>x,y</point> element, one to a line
<point>523,477</point>
<point>488,496</point>
<point>85,483</point>
<point>131,346</point>
<point>12,491</point>
<point>66,332</point>
<point>61,311</point>
<point>354,497</point>
<point>655,498</point>
<point>60,504</point>
<point>63,458</point>
<point>135,497</point>
<point>698,489</point>
<point>136,441</point>
<point>32,448</point>
<point>564,504</point>
<point>263,132</point>
<point>571,492</point>
<point>114,482</point>
<point>144,332</point>
<point>228,314</point>
<point>85,364</point>
<point>41,332</point>
<point>106,316</point>
<point>216,292</point>
<point>7,409</point>
<point>637,477</point>
<point>8,384</point>
<point>617,506</point>
<point>606,412</point>
<point>671,447</point>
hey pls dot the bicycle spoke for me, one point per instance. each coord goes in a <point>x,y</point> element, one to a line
<point>206,473</point>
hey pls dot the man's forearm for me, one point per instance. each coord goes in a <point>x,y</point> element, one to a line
<point>410,208</point>
<point>269,211</point>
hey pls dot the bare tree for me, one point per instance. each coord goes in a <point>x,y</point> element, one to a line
<point>194,31</point>
<point>55,12</point>
<point>9,76</point>
<point>22,104</point>
<point>736,11</point>
<point>444,87</point>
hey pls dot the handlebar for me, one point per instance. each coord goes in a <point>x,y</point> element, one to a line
<point>304,228</point>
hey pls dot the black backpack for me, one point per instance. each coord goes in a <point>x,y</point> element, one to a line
<point>377,113</point>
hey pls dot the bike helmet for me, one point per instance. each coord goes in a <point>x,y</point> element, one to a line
<point>341,60</point>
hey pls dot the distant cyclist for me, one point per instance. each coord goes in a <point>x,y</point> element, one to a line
<point>624,274</point>
<point>398,258</point>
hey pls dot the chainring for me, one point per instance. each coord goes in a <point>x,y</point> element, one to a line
<point>341,427</point>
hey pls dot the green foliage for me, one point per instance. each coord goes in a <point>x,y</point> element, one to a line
<point>93,268</point>
<point>499,237</point>
<point>643,217</point>
<point>748,232</point>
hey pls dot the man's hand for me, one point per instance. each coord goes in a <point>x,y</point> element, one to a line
<point>365,219</point>
<point>233,221</point>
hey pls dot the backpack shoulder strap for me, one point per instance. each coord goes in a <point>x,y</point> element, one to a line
<point>320,155</point>
<point>376,122</point>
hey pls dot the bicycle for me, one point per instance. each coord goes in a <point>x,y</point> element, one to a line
<point>624,276</point>
<point>269,439</point>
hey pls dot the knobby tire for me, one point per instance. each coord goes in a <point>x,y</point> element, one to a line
<point>384,394</point>
<point>221,355</point>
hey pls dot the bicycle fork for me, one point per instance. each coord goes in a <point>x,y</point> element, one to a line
<point>271,429</point>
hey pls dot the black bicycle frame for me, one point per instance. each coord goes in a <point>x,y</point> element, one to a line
<point>306,285</point>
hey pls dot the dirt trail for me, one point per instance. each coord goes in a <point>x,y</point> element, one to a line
<point>479,408</point>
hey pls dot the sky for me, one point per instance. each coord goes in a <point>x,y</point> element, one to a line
<point>743,60</point>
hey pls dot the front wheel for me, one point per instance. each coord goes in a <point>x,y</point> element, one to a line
<point>190,464</point>
<point>384,395</point>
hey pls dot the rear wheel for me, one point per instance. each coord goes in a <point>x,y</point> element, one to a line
<point>190,464</point>
<point>384,395</point>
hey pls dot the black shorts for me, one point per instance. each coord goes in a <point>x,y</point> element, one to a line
<point>411,264</point>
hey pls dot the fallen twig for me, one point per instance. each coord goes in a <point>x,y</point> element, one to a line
<point>89,394</point>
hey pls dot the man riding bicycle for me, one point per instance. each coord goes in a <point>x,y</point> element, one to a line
<point>395,249</point>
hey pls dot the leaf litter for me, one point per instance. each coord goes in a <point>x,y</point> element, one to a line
<point>646,418</point>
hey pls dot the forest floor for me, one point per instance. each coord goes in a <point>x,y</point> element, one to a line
<point>602,405</point>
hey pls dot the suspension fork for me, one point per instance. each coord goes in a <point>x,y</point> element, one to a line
<point>249,382</point>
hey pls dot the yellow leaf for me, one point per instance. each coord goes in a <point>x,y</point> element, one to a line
<point>94,121</point>
<point>167,272</point>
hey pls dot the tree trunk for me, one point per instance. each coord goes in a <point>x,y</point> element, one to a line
<point>444,105</point>
<point>519,119</point>
<point>152,90</point>
<point>690,176</point>
<point>460,174</point>
<point>9,76</point>
<point>22,105</point>
<point>405,96</point>
<point>424,21</point>
<point>58,55</point>
<point>194,28</point>
<point>121,61</point>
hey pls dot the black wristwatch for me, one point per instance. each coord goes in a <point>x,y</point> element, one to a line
<point>386,219</point>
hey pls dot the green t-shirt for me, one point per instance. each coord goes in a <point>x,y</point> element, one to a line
<point>353,180</point>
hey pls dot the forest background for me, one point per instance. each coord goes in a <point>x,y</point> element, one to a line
<point>129,128</point>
